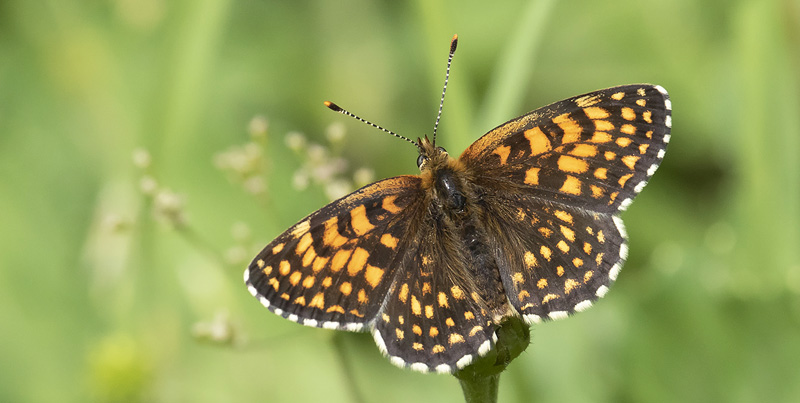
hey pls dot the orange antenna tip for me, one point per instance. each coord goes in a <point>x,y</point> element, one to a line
<point>454,43</point>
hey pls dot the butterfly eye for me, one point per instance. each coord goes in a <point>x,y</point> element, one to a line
<point>420,160</point>
<point>441,149</point>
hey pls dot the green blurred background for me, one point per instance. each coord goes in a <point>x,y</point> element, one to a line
<point>149,148</point>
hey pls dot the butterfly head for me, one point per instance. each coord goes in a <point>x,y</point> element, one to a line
<point>430,155</point>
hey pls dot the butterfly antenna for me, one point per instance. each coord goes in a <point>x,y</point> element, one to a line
<point>453,44</point>
<point>336,108</point>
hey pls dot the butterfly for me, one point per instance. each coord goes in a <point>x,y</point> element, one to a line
<point>524,223</point>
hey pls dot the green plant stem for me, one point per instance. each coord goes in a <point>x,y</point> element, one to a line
<point>481,389</point>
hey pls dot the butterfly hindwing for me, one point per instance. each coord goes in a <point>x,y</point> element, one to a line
<point>594,151</point>
<point>333,268</point>
<point>555,259</point>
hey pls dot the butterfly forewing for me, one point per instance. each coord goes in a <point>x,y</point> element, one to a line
<point>595,151</point>
<point>334,268</point>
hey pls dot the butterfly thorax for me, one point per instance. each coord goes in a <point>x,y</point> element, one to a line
<point>456,204</point>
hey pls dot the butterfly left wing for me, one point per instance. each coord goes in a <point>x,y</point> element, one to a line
<point>333,268</point>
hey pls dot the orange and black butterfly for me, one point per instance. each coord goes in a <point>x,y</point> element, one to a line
<point>524,223</point>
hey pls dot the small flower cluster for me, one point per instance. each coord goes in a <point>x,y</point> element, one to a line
<point>322,165</point>
<point>246,164</point>
<point>168,206</point>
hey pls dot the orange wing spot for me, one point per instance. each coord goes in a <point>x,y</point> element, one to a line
<point>300,229</point>
<point>628,114</point>
<point>568,233</point>
<point>455,338</point>
<point>596,113</point>
<point>260,263</point>
<point>374,275</point>
<point>598,258</point>
<point>560,271</point>
<point>359,220</point>
<point>532,176</point>
<point>267,271</point>
<point>417,330</point>
<point>429,311</point>
<point>588,100</point>
<point>401,319</point>
<point>520,214</point>
<point>295,277</point>
<point>319,263</point>
<point>335,308</point>
<point>549,297</point>
<point>572,164</point>
<point>610,155</point>
<point>624,179</point>
<point>570,285</point>
<point>643,148</point>
<point>600,237</point>
<point>630,160</point>
<point>546,232</point>
<point>277,248</point>
<point>597,192</point>
<point>538,141</point>
<point>417,346</point>
<point>545,252</point>
<point>641,102</point>
<point>518,278</point>
<point>587,248</point>
<point>443,300</point>
<point>600,137</point>
<point>309,256</point>
<point>362,296</point>
<point>426,260</point>
<point>577,262</point>
<point>584,150</point>
<point>301,300</point>
<point>437,349</point>
<point>572,185</point>
<point>399,333</point>
<point>326,282</point>
<point>522,295</point>
<point>416,308</point>
<point>623,141</point>
<point>318,301</point>
<point>628,129</point>
<point>457,292</point>
<point>357,261</point>
<point>388,205</point>
<point>274,283</point>
<point>449,322</point>
<point>403,295</point>
<point>618,95</point>
<point>284,267</point>
<point>572,130</point>
<point>426,288</point>
<point>285,296</point>
<point>647,116</point>
<point>386,318</point>
<point>563,216</point>
<point>589,231</point>
<point>640,91</point>
<point>389,241</point>
<point>468,315</point>
<point>562,246</point>
<point>603,126</point>
<point>346,288</point>
<point>434,331</point>
<point>612,197</point>
<point>356,313</point>
<point>542,283</point>
<point>475,330</point>
<point>649,134</point>
<point>601,173</point>
<point>503,152</point>
<point>303,244</point>
<point>340,259</point>
<point>587,276</point>
<point>530,260</point>
<point>331,236</point>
